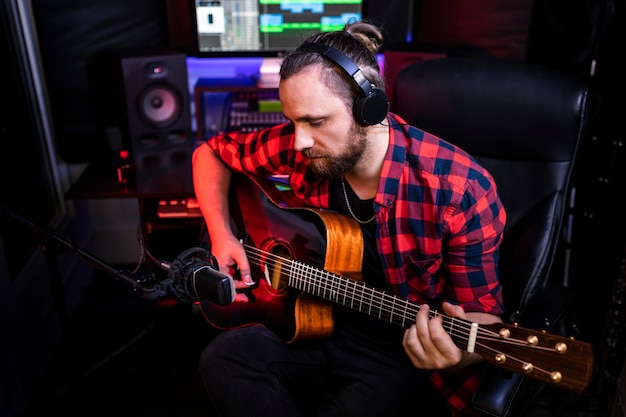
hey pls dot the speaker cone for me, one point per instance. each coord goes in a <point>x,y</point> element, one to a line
<point>159,105</point>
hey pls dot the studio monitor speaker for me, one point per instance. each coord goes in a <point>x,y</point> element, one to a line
<point>148,101</point>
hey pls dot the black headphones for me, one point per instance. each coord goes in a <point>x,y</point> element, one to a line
<point>371,105</point>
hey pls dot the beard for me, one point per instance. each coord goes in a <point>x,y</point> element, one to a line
<point>335,166</point>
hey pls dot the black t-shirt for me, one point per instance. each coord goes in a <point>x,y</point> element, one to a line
<point>357,323</point>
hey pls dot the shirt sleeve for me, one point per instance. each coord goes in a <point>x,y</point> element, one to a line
<point>263,152</point>
<point>270,152</point>
<point>475,235</point>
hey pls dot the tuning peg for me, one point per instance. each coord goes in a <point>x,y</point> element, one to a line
<point>573,331</point>
<point>515,317</point>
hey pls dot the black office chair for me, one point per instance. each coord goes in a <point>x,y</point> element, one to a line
<point>525,124</point>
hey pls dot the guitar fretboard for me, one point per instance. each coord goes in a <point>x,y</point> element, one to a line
<point>372,301</point>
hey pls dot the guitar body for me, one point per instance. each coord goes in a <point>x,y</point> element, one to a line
<point>305,260</point>
<point>263,214</point>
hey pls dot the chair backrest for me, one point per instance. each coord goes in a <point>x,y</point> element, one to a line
<point>524,123</point>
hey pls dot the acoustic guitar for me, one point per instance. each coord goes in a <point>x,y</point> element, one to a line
<point>307,260</point>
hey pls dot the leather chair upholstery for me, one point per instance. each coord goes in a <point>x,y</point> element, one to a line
<point>525,124</point>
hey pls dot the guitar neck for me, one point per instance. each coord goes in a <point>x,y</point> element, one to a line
<point>374,302</point>
<point>549,358</point>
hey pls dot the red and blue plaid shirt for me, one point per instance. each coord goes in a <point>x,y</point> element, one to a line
<point>439,216</point>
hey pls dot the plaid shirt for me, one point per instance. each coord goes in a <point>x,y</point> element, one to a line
<point>439,216</point>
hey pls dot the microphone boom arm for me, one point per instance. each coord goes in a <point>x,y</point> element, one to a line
<point>193,276</point>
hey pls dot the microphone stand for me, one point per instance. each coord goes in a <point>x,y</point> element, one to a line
<point>146,287</point>
<point>192,276</point>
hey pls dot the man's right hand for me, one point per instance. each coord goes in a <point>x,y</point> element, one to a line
<point>231,258</point>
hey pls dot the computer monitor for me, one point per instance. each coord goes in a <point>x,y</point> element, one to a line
<point>254,27</point>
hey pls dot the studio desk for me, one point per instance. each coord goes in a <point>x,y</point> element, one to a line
<point>169,215</point>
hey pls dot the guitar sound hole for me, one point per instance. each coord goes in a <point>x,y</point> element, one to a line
<point>277,263</point>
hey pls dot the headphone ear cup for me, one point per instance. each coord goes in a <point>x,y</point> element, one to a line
<point>372,108</point>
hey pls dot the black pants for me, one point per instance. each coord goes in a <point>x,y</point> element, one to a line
<point>251,372</point>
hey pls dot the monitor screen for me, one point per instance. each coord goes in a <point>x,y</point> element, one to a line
<point>263,27</point>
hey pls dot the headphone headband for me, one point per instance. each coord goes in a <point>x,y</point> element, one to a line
<point>371,105</point>
<point>343,61</point>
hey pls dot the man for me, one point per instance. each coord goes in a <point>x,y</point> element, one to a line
<point>432,225</point>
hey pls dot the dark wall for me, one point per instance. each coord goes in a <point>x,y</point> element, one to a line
<point>398,17</point>
<point>497,27</point>
<point>71,35</point>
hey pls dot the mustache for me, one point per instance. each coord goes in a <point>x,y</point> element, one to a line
<point>307,153</point>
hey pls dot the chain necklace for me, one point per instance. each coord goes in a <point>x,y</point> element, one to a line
<point>345,195</point>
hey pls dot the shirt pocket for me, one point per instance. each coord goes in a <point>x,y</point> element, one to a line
<point>422,274</point>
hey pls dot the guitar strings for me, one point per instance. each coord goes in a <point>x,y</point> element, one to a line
<point>263,258</point>
<point>337,285</point>
<point>334,285</point>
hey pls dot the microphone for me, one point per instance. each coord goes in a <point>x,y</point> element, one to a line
<point>194,277</point>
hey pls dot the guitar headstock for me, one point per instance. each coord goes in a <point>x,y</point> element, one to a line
<point>557,360</point>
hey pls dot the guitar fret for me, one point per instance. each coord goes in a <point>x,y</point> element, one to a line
<point>467,329</point>
<point>361,299</point>
<point>327,289</point>
<point>404,315</point>
<point>340,285</point>
<point>377,306</point>
<point>392,311</point>
<point>339,292</point>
